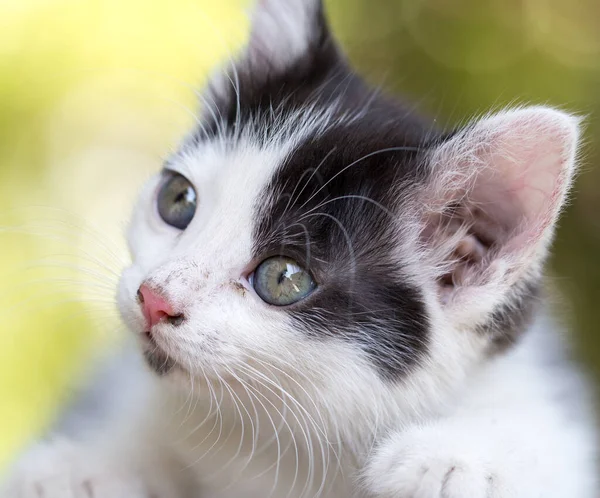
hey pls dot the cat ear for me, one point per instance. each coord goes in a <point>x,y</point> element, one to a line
<point>283,31</point>
<point>285,35</point>
<point>489,211</point>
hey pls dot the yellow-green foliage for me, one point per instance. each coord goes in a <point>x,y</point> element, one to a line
<point>92,94</point>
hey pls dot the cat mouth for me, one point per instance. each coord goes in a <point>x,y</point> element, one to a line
<point>156,358</point>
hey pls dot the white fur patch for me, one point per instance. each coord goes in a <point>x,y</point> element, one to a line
<point>507,438</point>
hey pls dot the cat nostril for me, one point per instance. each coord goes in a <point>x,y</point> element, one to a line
<point>140,296</point>
<point>175,319</point>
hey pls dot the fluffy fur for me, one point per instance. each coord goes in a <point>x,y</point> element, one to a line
<point>424,365</point>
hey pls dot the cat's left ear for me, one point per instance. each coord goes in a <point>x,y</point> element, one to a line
<point>284,31</point>
<point>490,206</point>
<point>285,35</point>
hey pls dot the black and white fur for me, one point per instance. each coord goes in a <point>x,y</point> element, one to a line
<point>425,365</point>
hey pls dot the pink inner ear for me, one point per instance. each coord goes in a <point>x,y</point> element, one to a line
<point>528,166</point>
<point>498,189</point>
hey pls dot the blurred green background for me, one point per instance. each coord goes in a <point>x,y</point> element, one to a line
<point>93,93</point>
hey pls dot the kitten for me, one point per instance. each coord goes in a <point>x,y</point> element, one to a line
<point>332,298</point>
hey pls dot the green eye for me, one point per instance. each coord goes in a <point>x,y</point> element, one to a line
<point>176,202</point>
<point>281,281</point>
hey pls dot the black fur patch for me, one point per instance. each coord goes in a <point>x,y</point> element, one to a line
<point>333,205</point>
<point>348,243</point>
<point>320,76</point>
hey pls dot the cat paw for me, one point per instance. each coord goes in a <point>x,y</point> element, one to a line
<point>429,463</point>
<point>62,469</point>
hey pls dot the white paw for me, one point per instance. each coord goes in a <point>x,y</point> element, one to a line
<point>62,469</point>
<point>430,463</point>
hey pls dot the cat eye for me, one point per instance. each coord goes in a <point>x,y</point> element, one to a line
<point>281,281</point>
<point>176,201</point>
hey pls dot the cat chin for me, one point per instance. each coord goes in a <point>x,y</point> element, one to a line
<point>170,363</point>
<point>160,363</point>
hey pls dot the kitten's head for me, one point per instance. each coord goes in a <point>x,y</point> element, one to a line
<point>313,227</point>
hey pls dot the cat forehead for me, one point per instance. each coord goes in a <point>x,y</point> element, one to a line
<point>234,169</point>
<point>313,176</point>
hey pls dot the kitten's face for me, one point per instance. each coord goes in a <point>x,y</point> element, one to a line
<point>204,270</point>
<point>291,251</point>
<point>314,226</point>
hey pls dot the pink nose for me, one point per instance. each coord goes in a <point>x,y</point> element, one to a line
<point>156,307</point>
